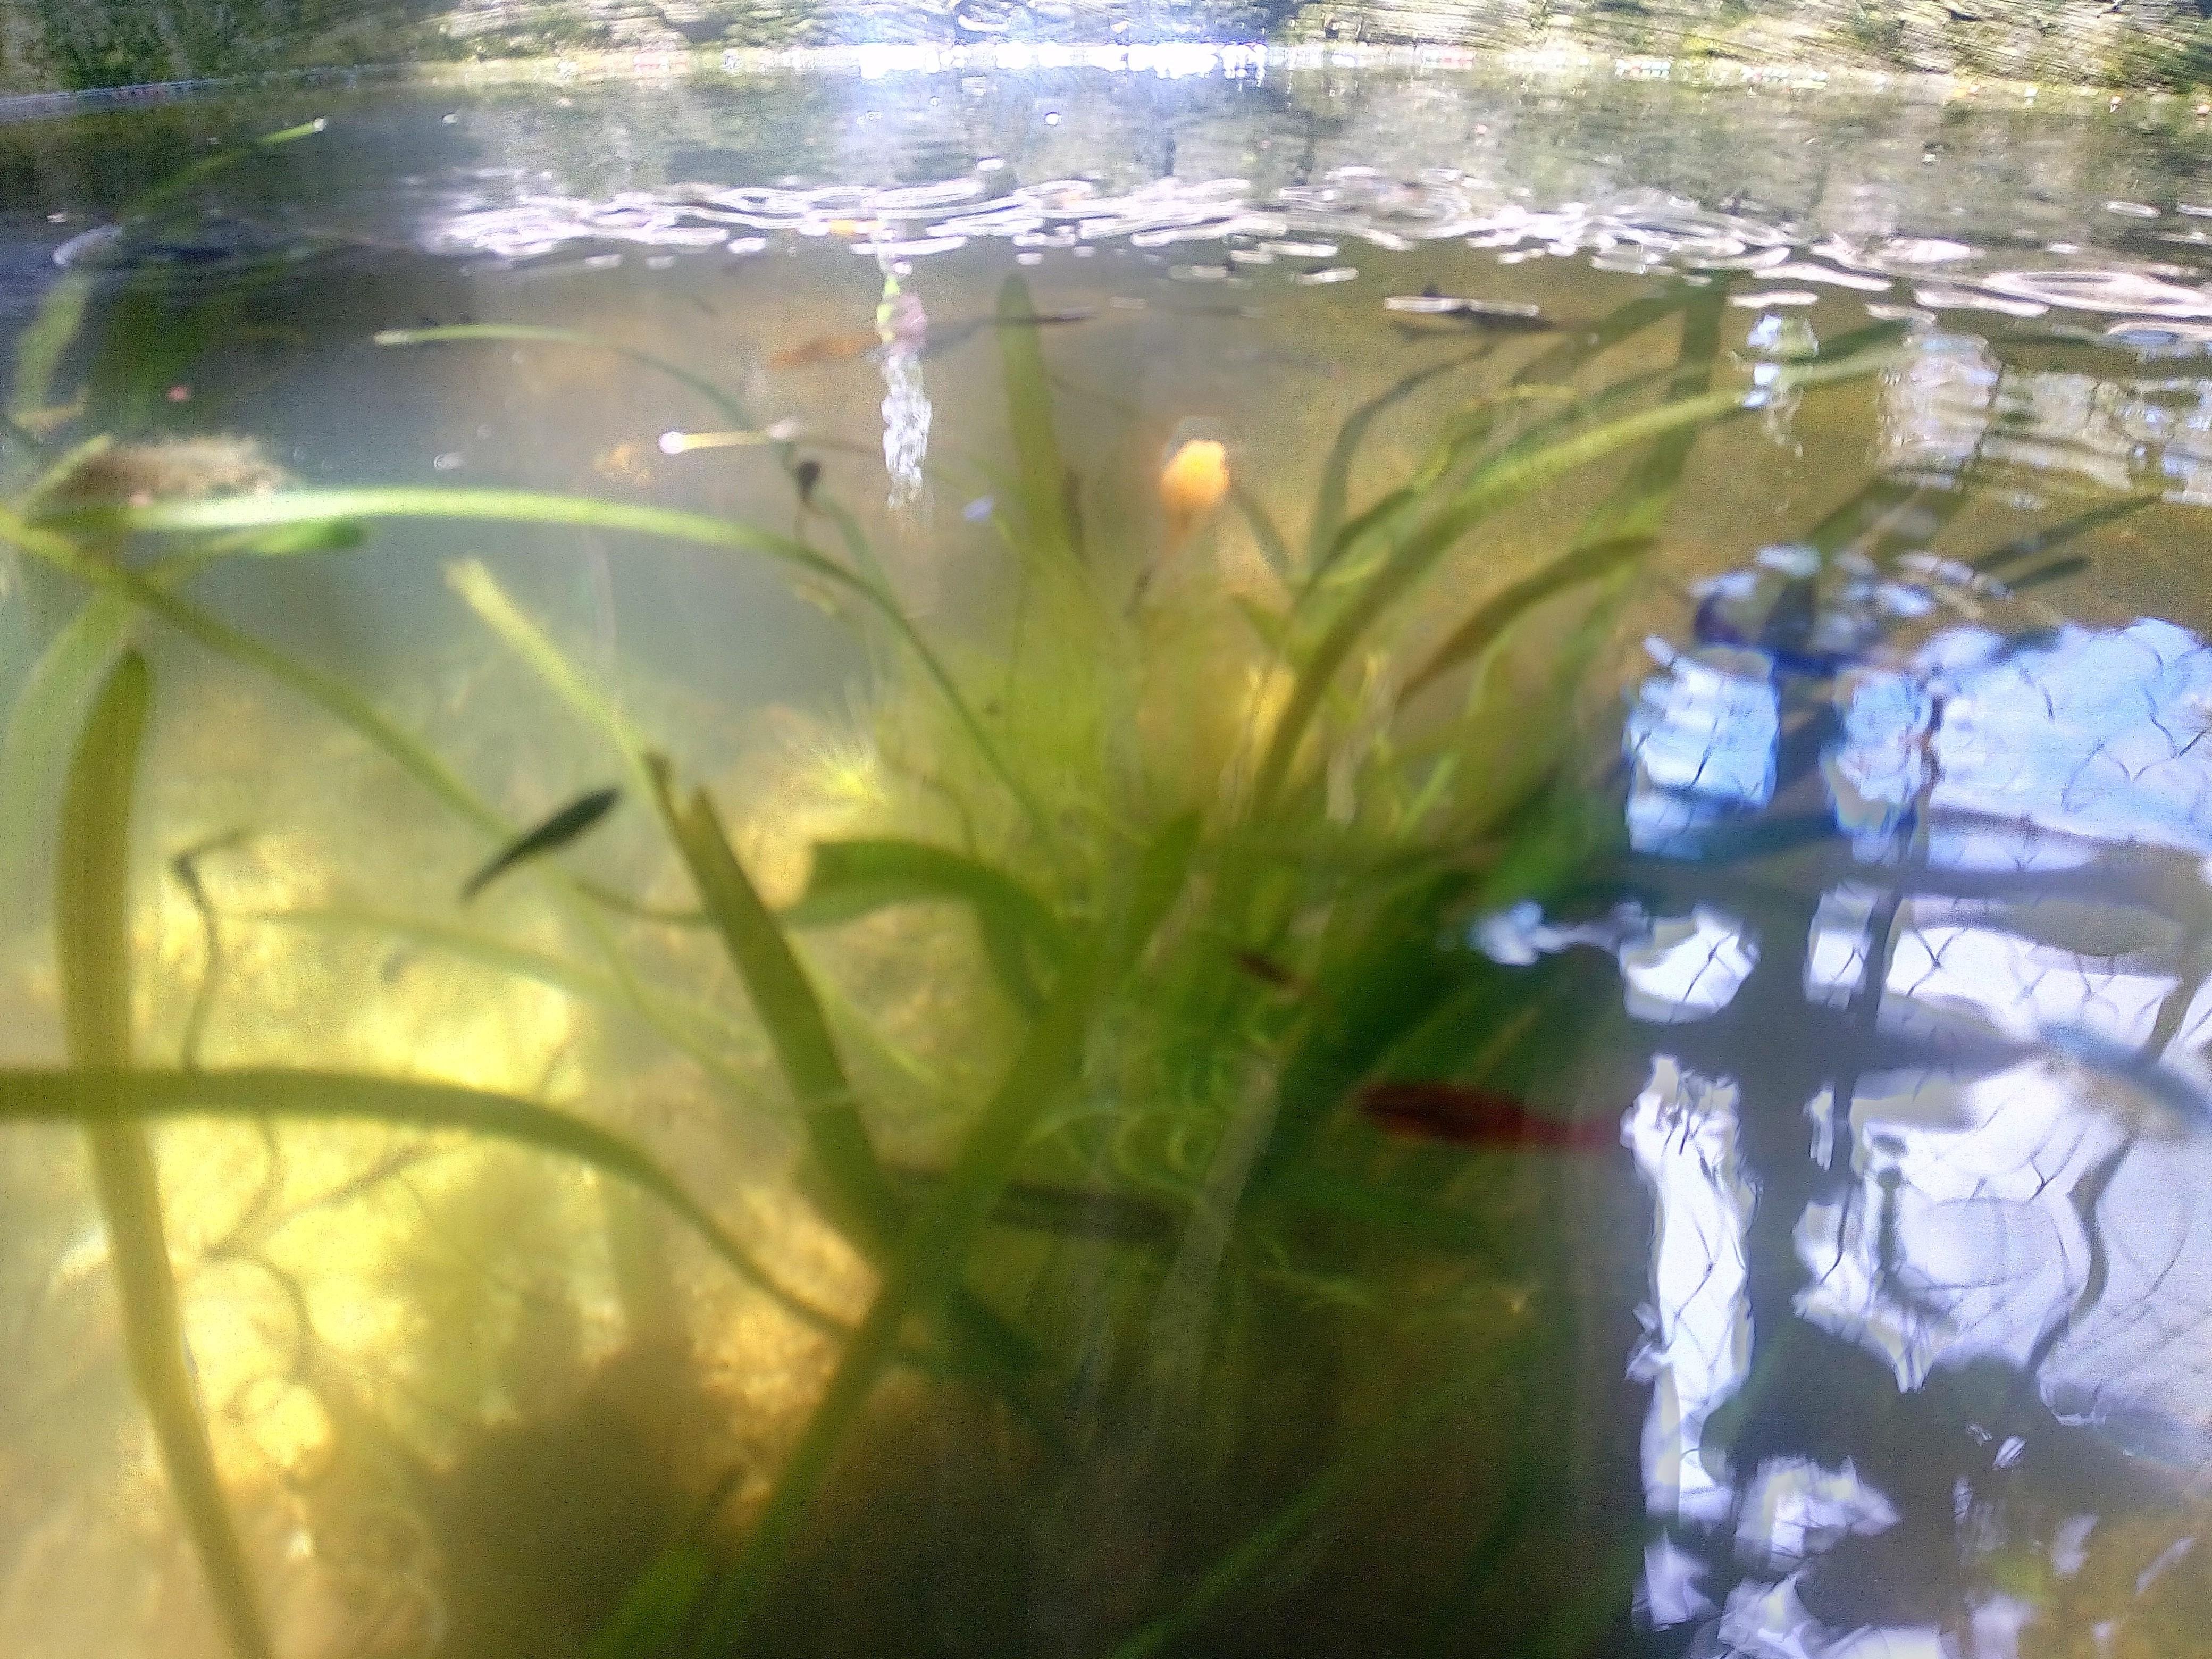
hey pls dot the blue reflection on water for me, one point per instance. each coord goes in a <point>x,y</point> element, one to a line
<point>2003,974</point>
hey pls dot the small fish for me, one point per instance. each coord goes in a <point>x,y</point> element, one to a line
<point>1268,971</point>
<point>979,511</point>
<point>1465,1115</point>
<point>557,831</point>
<point>827,348</point>
<point>806,476</point>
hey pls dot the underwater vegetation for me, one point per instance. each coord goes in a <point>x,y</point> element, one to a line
<point>1217,1187</point>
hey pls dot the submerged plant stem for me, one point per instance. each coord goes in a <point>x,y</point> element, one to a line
<point>109,1098</point>
<point>92,946</point>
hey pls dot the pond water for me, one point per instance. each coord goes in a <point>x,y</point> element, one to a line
<point>1184,853</point>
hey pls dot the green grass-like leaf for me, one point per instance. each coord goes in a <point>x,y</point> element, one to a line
<point>1490,488</point>
<point>106,1098</point>
<point>92,944</point>
<point>1323,540</point>
<point>791,1013</point>
<point>44,715</point>
<point>1040,472</point>
<point>853,878</point>
<point>931,1257</point>
<point>727,407</point>
<point>868,1206</point>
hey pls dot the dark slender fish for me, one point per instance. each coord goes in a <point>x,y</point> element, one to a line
<point>557,831</point>
<point>1268,971</point>
<point>1466,1116</point>
<point>806,476</point>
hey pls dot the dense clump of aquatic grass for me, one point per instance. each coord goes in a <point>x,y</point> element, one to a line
<point>1201,961</point>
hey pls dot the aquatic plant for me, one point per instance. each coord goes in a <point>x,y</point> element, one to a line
<point>1211,847</point>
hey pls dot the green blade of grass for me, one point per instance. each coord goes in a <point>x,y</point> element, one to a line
<point>413,757</point>
<point>92,945</point>
<point>693,1028</point>
<point>1265,533</point>
<point>1500,611</point>
<point>1489,489</point>
<point>1621,528</point>
<point>2057,535</point>
<point>1568,356</point>
<point>1336,471</point>
<point>44,717</point>
<point>40,347</point>
<point>526,507</point>
<point>728,407</point>
<point>657,1608</point>
<point>106,1098</point>
<point>790,1014</point>
<point>852,878</point>
<point>185,178</point>
<point>327,691</point>
<point>1040,470</point>
<point>45,712</point>
<point>334,697</point>
<point>1463,439</point>
<point>932,1256</point>
<point>482,594</point>
<point>871,1210</point>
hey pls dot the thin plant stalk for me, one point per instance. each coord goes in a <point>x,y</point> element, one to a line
<point>107,1097</point>
<point>92,905</point>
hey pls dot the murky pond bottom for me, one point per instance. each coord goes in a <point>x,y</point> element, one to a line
<point>1076,864</point>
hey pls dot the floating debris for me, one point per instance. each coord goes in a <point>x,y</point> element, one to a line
<point>1500,314</point>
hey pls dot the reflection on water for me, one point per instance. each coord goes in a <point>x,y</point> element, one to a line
<point>1914,946</point>
<point>2011,1117</point>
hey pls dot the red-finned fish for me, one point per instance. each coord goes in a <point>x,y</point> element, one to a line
<point>1465,1115</point>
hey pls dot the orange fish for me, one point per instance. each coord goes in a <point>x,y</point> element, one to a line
<point>827,348</point>
<point>1192,484</point>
